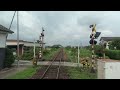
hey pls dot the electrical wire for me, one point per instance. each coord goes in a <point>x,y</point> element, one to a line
<point>12,20</point>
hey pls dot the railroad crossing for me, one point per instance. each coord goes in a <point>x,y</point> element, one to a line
<point>57,57</point>
<point>52,71</point>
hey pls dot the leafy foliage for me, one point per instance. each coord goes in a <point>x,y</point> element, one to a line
<point>28,53</point>
<point>113,54</point>
<point>73,53</point>
<point>98,49</point>
<point>9,58</point>
<point>114,43</point>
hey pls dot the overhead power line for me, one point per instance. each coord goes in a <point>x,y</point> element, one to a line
<point>12,20</point>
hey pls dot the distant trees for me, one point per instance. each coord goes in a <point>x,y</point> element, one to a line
<point>57,46</point>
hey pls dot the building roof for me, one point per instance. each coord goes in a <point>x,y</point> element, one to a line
<point>11,40</point>
<point>109,38</point>
<point>21,42</point>
<point>4,29</point>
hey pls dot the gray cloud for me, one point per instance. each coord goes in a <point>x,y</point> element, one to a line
<point>62,27</point>
<point>88,20</point>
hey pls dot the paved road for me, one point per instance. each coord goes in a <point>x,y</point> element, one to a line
<point>22,62</point>
<point>11,71</point>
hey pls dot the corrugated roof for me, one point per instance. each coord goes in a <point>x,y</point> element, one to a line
<point>4,29</point>
<point>109,38</point>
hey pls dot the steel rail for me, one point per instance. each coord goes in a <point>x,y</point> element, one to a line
<point>50,65</point>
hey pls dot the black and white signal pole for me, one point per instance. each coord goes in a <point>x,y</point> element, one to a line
<point>92,44</point>
<point>94,35</point>
<point>41,44</point>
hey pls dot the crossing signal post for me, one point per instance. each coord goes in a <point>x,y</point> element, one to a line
<point>41,41</point>
<point>94,35</point>
<point>40,54</point>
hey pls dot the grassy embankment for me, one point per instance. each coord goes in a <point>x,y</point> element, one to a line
<point>25,74</point>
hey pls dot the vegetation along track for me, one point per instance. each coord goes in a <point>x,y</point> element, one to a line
<point>53,71</point>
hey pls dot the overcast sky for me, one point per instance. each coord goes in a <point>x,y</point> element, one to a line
<point>62,27</point>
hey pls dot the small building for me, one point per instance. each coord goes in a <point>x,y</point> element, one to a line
<point>106,40</point>
<point>108,69</point>
<point>3,36</point>
<point>12,44</point>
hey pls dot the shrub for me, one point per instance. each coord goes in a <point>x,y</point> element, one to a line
<point>107,57</point>
<point>85,53</point>
<point>115,43</point>
<point>9,58</point>
<point>113,54</point>
<point>27,56</point>
<point>28,53</point>
<point>99,50</point>
<point>45,52</point>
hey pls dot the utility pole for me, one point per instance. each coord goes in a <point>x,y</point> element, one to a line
<point>18,38</point>
<point>78,55</point>
<point>34,57</point>
<point>34,48</point>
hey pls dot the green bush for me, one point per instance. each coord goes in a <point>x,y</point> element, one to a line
<point>113,54</point>
<point>28,53</point>
<point>115,43</point>
<point>46,52</point>
<point>9,58</point>
<point>106,57</point>
<point>85,52</point>
<point>27,56</point>
<point>72,53</point>
<point>98,49</point>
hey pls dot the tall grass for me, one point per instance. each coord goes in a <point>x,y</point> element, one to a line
<point>72,53</point>
<point>76,73</point>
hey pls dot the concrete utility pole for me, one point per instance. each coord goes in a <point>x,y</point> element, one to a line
<point>34,57</point>
<point>78,56</point>
<point>18,38</point>
<point>34,48</point>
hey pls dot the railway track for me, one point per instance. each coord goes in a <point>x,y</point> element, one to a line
<point>52,71</point>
